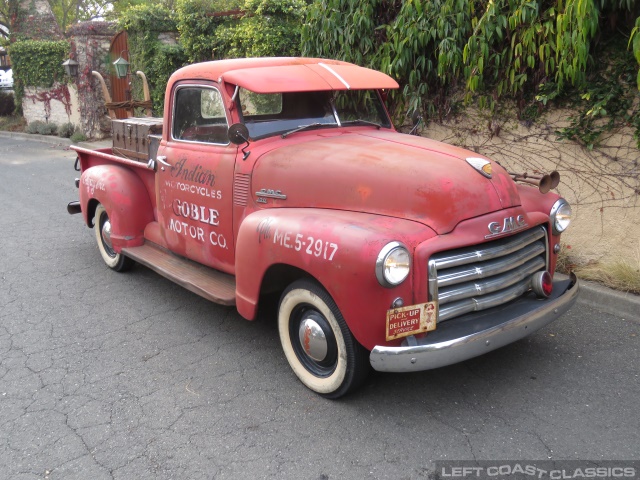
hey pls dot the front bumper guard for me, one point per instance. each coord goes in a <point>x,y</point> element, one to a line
<point>475,334</point>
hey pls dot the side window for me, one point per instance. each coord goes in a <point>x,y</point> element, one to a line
<point>199,116</point>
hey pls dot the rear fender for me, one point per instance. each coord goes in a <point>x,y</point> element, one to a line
<point>125,199</point>
<point>338,249</point>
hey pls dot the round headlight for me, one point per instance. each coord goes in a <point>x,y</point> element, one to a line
<point>560,216</point>
<point>393,264</point>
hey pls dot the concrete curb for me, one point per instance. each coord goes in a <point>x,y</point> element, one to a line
<point>621,304</point>
<point>53,140</point>
<point>625,305</point>
<point>50,139</point>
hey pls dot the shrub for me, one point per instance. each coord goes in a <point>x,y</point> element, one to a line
<point>34,126</point>
<point>78,137</point>
<point>42,128</point>
<point>66,130</point>
<point>7,105</point>
<point>47,128</point>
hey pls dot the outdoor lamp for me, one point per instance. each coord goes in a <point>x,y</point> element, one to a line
<point>70,67</point>
<point>122,67</point>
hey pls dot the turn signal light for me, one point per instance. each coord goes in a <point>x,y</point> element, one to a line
<point>542,284</point>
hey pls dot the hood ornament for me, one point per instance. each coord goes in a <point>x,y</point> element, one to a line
<point>481,165</point>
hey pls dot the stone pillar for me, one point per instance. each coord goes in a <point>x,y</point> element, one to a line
<point>90,42</point>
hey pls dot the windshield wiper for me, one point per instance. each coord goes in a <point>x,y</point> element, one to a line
<point>363,122</point>
<point>305,127</point>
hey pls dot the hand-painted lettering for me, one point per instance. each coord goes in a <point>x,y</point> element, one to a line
<point>93,185</point>
<point>195,212</point>
<point>194,173</point>
<point>194,189</point>
<point>316,247</point>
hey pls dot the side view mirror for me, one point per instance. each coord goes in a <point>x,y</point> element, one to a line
<point>238,134</point>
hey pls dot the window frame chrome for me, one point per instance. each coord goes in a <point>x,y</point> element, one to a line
<point>173,113</point>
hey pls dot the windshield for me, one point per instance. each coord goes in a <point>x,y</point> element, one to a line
<point>278,113</point>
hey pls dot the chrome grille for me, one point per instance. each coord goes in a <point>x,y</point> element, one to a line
<point>487,275</point>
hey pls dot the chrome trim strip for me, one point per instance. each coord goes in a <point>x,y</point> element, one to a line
<point>173,112</point>
<point>433,281</point>
<point>465,342</point>
<point>477,304</point>
<point>268,193</point>
<point>548,248</point>
<point>335,74</point>
<point>500,249</point>
<point>493,267</point>
<point>493,284</point>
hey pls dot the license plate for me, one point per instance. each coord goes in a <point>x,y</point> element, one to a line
<point>405,321</point>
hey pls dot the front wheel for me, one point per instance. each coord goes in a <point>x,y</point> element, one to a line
<point>102,227</point>
<point>317,342</point>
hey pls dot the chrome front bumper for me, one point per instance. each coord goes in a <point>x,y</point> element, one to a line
<point>472,335</point>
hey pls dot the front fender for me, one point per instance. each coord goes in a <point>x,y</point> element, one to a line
<point>124,196</point>
<point>338,249</point>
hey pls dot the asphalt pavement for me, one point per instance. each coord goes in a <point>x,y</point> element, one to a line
<point>127,376</point>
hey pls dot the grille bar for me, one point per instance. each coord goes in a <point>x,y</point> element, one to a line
<point>484,276</point>
<point>484,302</point>
<point>492,267</point>
<point>497,248</point>
<point>493,284</point>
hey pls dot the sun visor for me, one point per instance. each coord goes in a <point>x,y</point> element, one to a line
<point>308,78</point>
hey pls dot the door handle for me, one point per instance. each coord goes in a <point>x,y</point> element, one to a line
<point>162,159</point>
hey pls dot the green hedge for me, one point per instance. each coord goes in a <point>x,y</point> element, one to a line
<point>37,63</point>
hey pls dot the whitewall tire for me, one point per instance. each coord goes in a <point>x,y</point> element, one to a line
<point>317,342</point>
<point>102,227</point>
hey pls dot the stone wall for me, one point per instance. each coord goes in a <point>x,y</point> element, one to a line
<point>58,104</point>
<point>79,102</point>
<point>602,185</point>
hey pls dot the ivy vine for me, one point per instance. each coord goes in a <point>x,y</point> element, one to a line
<point>37,63</point>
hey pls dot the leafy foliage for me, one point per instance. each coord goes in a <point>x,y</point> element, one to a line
<point>609,102</point>
<point>236,28</point>
<point>350,30</point>
<point>37,64</point>
<point>42,128</point>
<point>219,29</point>
<point>442,51</point>
<point>197,24</point>
<point>268,28</point>
<point>66,130</point>
<point>634,43</point>
<point>158,61</point>
<point>424,50</point>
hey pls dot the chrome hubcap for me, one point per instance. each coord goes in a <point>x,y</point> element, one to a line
<point>106,237</point>
<point>313,339</point>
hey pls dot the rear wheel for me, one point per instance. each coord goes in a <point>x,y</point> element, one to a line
<point>317,342</point>
<point>102,227</point>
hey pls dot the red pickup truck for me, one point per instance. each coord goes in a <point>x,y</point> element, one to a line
<point>286,176</point>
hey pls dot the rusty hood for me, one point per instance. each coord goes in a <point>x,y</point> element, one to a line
<point>382,172</point>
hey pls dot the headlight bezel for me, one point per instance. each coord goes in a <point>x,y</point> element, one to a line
<point>388,252</point>
<point>559,214</point>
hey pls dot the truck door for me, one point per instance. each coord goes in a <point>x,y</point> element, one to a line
<point>195,178</point>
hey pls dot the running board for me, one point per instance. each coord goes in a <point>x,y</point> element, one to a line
<point>204,281</point>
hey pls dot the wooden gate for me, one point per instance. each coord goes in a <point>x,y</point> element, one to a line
<point>120,87</point>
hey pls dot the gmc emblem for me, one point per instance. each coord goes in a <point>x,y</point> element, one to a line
<point>510,224</point>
